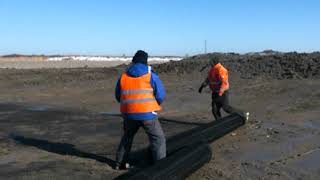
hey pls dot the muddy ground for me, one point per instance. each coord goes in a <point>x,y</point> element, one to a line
<point>52,124</point>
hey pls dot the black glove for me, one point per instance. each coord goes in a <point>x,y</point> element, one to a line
<point>200,89</point>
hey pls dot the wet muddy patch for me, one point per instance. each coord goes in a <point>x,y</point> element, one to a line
<point>38,108</point>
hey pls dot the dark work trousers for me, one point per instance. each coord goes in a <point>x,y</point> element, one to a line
<point>219,102</point>
<point>156,138</point>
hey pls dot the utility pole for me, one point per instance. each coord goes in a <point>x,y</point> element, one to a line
<point>205,46</point>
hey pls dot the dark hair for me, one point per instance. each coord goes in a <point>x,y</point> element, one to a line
<point>140,57</point>
<point>214,60</point>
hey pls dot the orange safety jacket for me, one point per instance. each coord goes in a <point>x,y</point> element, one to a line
<point>137,94</point>
<point>218,79</point>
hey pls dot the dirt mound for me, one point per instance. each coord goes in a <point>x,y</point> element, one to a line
<point>273,65</point>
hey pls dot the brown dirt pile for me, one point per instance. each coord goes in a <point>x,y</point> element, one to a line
<point>275,66</point>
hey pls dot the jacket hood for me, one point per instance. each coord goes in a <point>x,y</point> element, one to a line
<point>137,70</point>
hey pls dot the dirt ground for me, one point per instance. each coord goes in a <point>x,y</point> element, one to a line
<point>58,123</point>
<point>57,64</point>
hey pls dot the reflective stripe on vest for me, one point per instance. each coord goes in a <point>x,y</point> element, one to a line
<point>137,100</point>
<point>137,91</point>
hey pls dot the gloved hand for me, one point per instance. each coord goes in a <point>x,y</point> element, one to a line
<point>221,93</point>
<point>200,89</point>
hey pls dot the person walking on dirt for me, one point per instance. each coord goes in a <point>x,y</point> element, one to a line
<point>218,82</point>
<point>140,93</point>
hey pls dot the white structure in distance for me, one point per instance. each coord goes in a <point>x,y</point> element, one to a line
<point>111,58</point>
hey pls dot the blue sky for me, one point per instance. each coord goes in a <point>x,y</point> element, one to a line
<point>161,27</point>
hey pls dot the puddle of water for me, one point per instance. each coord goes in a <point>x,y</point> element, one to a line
<point>260,151</point>
<point>255,152</point>
<point>309,161</point>
<point>312,124</point>
<point>38,108</point>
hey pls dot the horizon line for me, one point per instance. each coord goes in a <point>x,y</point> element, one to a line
<point>124,55</point>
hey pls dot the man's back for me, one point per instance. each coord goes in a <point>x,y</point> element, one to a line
<point>136,71</point>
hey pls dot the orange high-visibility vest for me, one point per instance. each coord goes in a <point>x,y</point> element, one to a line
<point>218,78</point>
<point>137,94</point>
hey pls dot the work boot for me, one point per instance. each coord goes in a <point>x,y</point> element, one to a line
<point>122,166</point>
<point>246,116</point>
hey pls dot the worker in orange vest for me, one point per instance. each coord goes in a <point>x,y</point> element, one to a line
<point>140,93</point>
<point>218,81</point>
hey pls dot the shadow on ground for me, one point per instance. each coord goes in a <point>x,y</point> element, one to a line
<point>59,148</point>
<point>141,156</point>
<point>43,127</point>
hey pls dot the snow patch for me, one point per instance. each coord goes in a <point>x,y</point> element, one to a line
<point>105,58</point>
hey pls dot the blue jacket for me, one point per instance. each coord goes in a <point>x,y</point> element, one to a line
<point>137,70</point>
